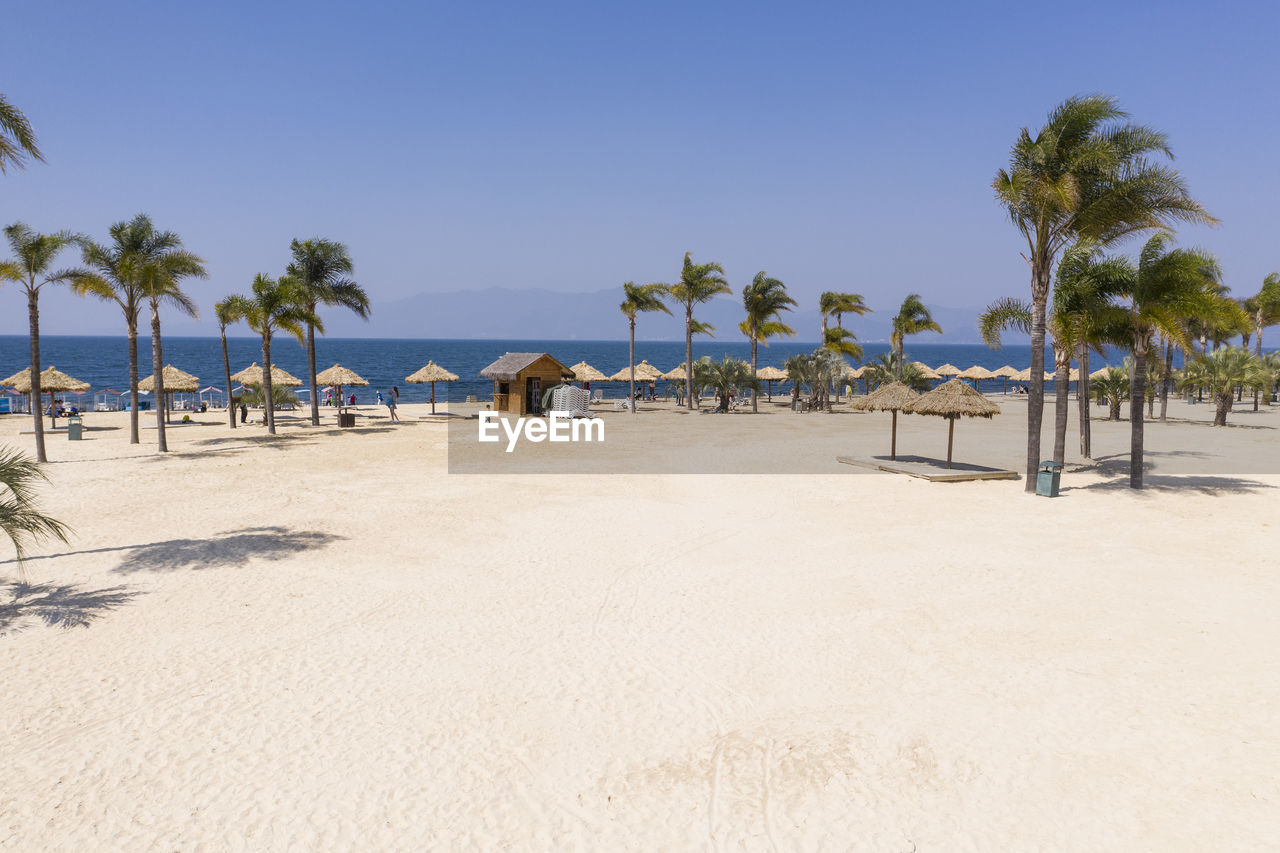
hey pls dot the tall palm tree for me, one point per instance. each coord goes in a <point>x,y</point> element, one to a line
<point>637,298</point>
<point>32,268</point>
<point>1263,309</point>
<point>20,517</point>
<point>1165,288</point>
<point>764,299</point>
<point>1083,174</point>
<point>1222,372</point>
<point>160,267</point>
<point>832,304</point>
<point>324,268</point>
<point>912,319</point>
<point>116,266</point>
<point>698,283</point>
<point>228,311</point>
<point>17,139</point>
<point>277,305</point>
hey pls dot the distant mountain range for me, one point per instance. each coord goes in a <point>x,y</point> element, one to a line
<point>505,313</point>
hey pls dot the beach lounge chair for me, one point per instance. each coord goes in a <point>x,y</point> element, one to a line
<point>575,401</point>
<point>597,396</point>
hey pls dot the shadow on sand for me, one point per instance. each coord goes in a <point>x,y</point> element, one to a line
<point>1116,467</point>
<point>59,605</point>
<point>221,550</point>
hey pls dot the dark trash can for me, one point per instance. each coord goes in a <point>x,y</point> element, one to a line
<point>1048,478</point>
<point>75,428</point>
<point>346,419</point>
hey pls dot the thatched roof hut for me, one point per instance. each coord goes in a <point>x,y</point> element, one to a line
<point>175,381</point>
<point>584,372</point>
<point>432,373</point>
<point>953,400</point>
<point>893,397</point>
<point>337,375</point>
<point>252,375</point>
<point>530,373</point>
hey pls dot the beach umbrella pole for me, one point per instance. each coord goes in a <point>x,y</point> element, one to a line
<point>433,398</point>
<point>893,442</point>
<point>951,434</point>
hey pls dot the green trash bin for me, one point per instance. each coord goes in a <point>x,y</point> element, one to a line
<point>75,428</point>
<point>1048,478</point>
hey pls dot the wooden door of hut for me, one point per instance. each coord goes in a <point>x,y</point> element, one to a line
<point>533,395</point>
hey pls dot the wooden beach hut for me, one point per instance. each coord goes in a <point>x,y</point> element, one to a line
<point>519,379</point>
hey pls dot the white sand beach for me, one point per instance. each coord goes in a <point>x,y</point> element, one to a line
<point>325,641</point>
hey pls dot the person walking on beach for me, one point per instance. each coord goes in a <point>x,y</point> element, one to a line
<point>379,401</point>
<point>391,405</point>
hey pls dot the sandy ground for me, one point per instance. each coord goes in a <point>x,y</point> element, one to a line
<point>326,641</point>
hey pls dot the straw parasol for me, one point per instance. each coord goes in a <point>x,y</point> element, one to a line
<point>175,382</point>
<point>770,375</point>
<point>336,376</point>
<point>676,373</point>
<point>977,373</point>
<point>645,372</point>
<point>947,369</point>
<point>433,373</point>
<point>1100,373</point>
<point>951,400</point>
<point>52,381</point>
<point>1006,373</point>
<point>584,372</point>
<point>894,397</point>
<point>927,371</point>
<point>252,375</point>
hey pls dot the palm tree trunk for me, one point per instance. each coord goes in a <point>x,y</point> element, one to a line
<point>311,370</point>
<point>631,356</point>
<point>898,349</point>
<point>270,416</point>
<point>37,407</point>
<point>157,373</point>
<point>755,393</point>
<point>131,321</point>
<point>1035,396</point>
<point>226,375</point>
<point>1166,386</point>
<point>1082,398</point>
<point>688,355</point>
<point>1061,405</point>
<point>1137,393</point>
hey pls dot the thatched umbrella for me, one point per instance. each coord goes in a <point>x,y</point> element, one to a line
<point>894,397</point>
<point>175,382</point>
<point>676,373</point>
<point>584,372</point>
<point>770,375</point>
<point>1006,373</point>
<point>337,376</point>
<point>1100,373</point>
<point>645,372</point>
<point>433,373</point>
<point>52,380</point>
<point>947,369</point>
<point>950,400</point>
<point>927,371</point>
<point>977,373</point>
<point>252,375</point>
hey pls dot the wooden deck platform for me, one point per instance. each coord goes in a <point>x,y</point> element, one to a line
<point>933,470</point>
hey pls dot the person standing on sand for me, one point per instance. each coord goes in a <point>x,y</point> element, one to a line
<point>391,407</point>
<point>379,400</point>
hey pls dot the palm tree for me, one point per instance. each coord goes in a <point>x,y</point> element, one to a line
<point>724,376</point>
<point>20,516</point>
<point>1264,310</point>
<point>228,311</point>
<point>160,266</point>
<point>323,267</point>
<point>639,297</point>
<point>832,304</point>
<point>31,269</point>
<point>1083,175</point>
<point>17,139</point>
<point>764,301</point>
<point>1165,288</point>
<point>1222,372</point>
<point>278,305</point>
<point>698,283</point>
<point>912,319</point>
<point>887,367</point>
<point>1112,388</point>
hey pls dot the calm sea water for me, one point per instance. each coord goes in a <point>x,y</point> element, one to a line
<point>104,362</point>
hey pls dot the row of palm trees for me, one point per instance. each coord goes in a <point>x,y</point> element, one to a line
<point>764,301</point>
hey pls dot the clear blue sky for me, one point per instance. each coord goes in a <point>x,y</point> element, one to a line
<point>573,146</point>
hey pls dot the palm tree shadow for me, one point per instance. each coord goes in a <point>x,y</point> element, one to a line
<point>223,550</point>
<point>59,605</point>
<point>1116,467</point>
